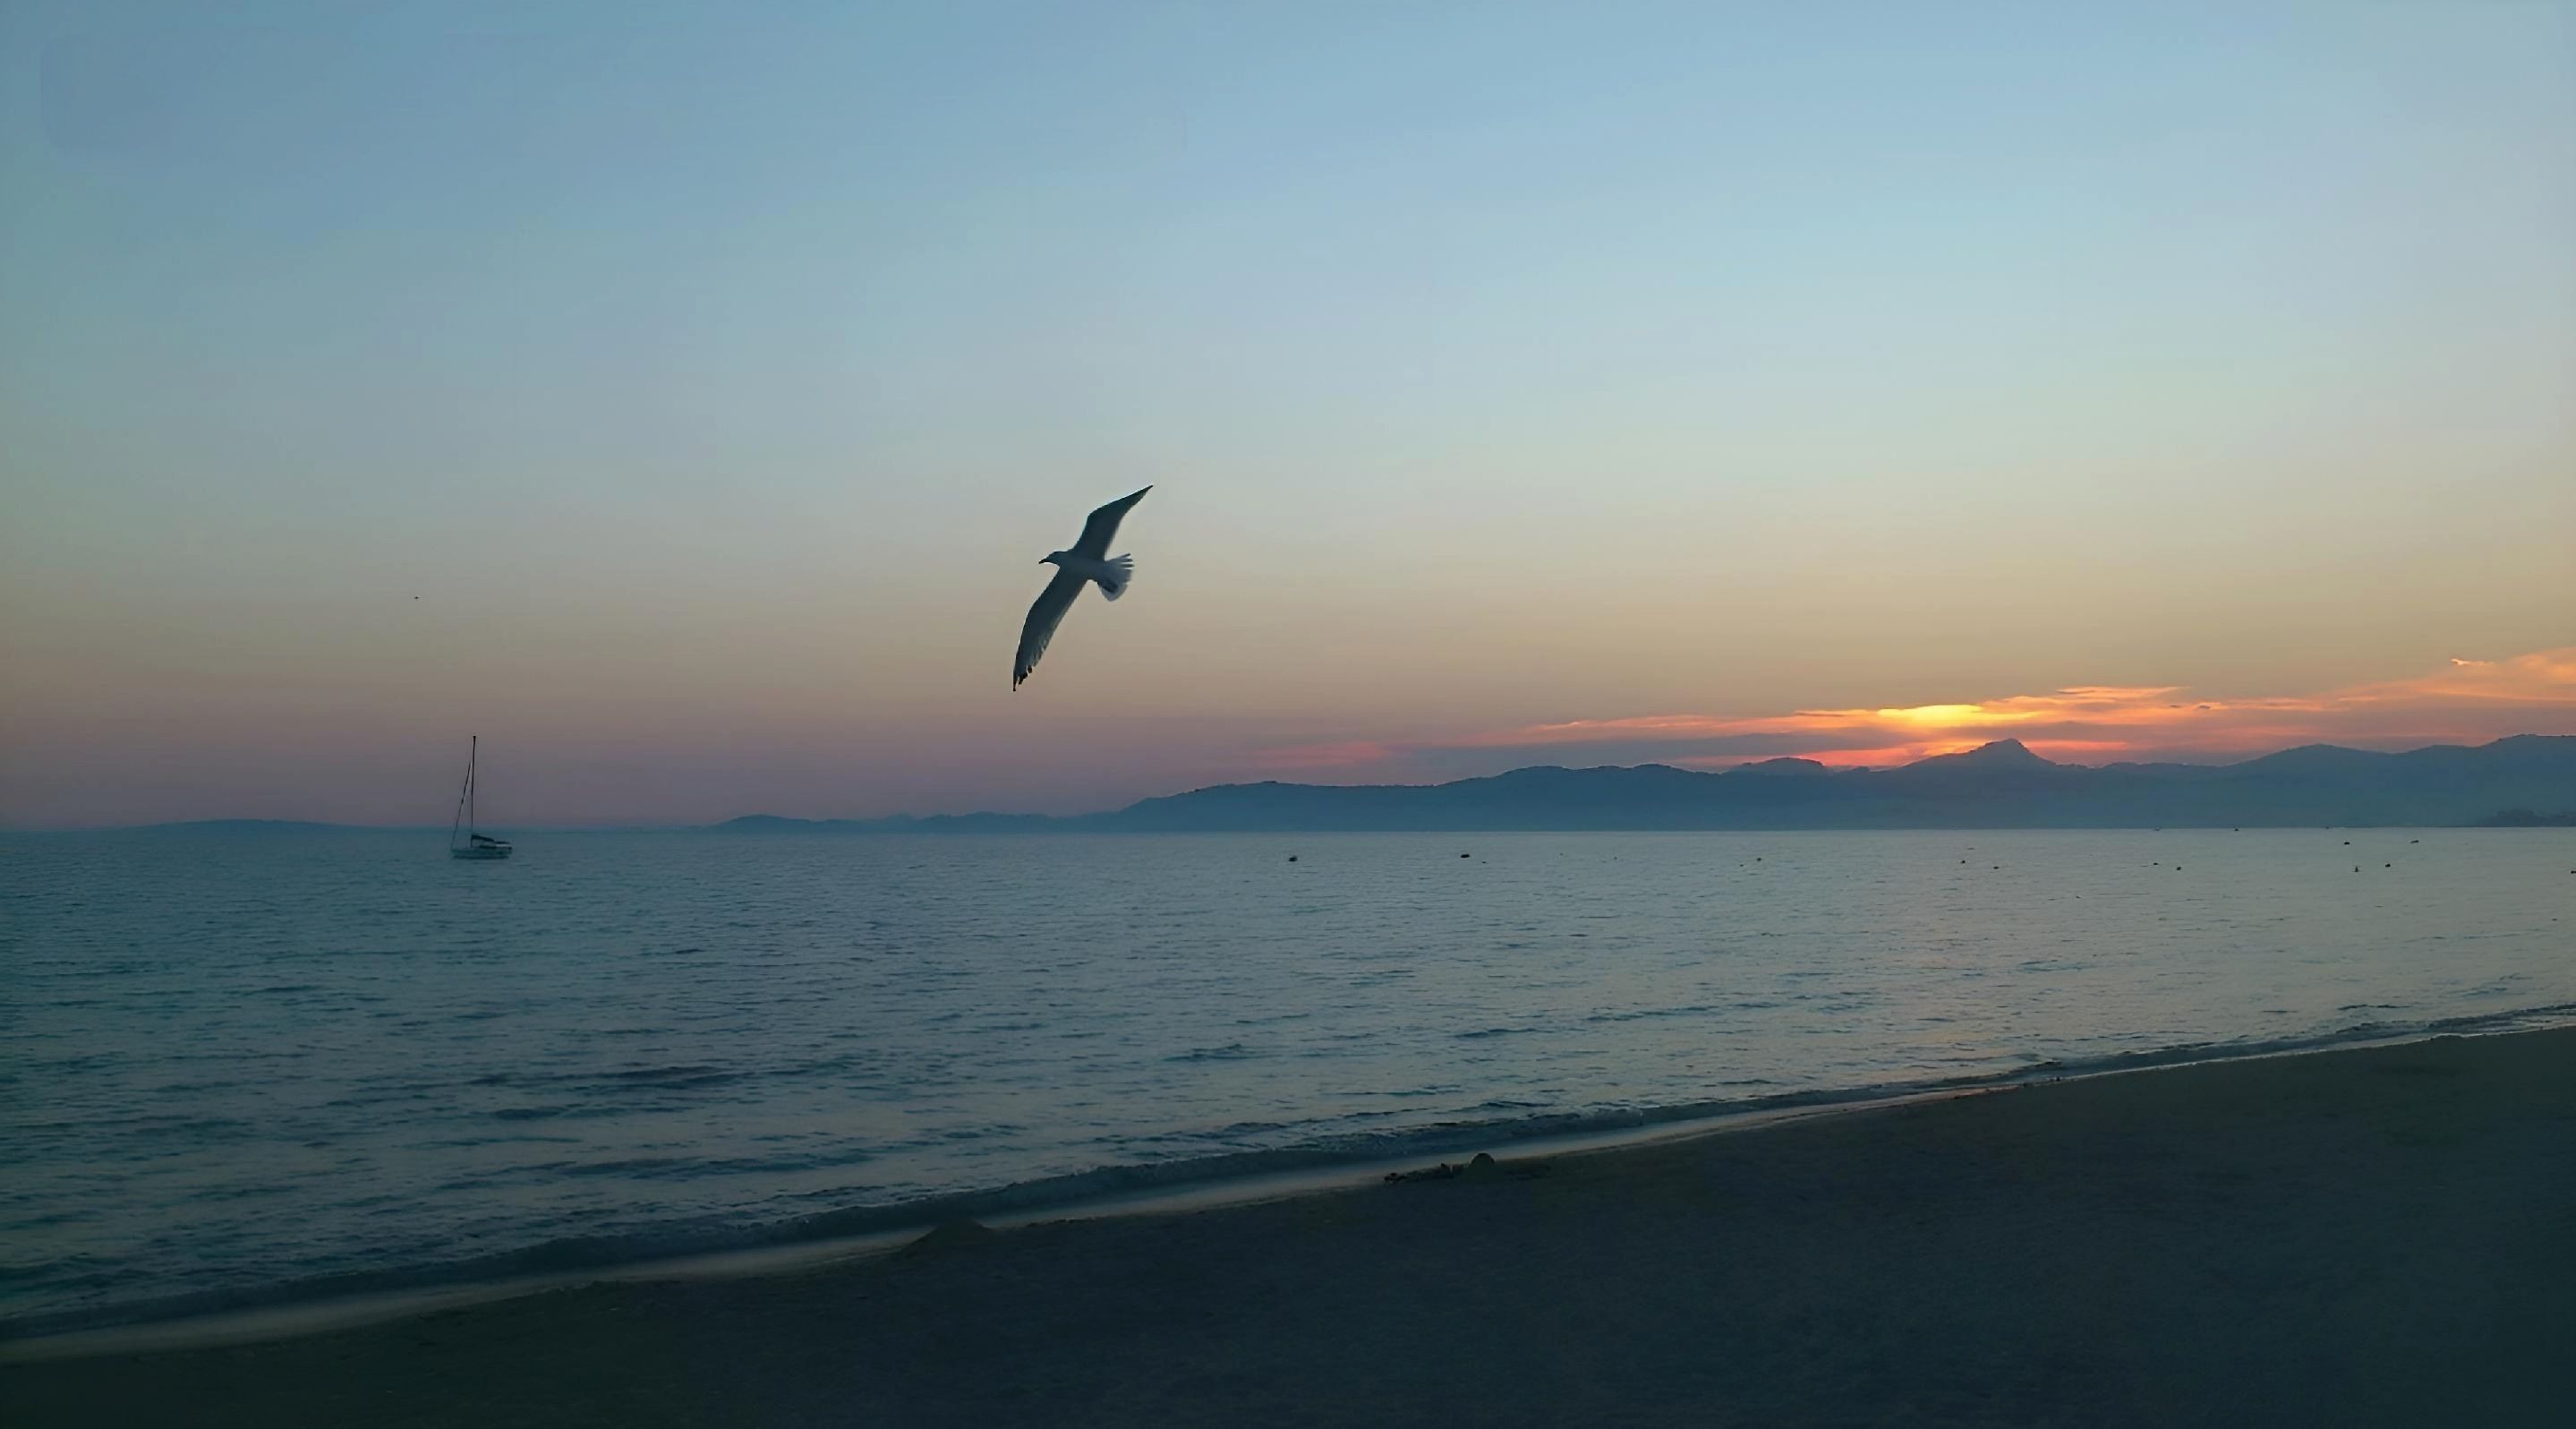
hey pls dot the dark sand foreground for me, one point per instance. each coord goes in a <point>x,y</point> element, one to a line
<point>2378,1236</point>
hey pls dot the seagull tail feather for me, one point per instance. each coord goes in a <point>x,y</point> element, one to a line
<point>1122,570</point>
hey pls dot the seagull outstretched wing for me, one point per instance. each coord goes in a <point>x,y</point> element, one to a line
<point>1044,615</point>
<point>1102,528</point>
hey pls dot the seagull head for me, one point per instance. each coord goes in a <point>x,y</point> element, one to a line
<point>1052,558</point>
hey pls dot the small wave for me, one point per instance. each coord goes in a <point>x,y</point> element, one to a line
<point>1696,1009</point>
<point>210,1127</point>
<point>1230,1052</point>
<point>221,1194</point>
<point>62,1275</point>
<point>691,1075</point>
<point>1198,1136</point>
<point>690,1168</point>
<point>43,1220</point>
<point>1493,1032</point>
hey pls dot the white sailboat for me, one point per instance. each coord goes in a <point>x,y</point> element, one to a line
<point>474,845</point>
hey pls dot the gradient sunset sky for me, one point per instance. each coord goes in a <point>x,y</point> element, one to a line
<point>1519,383</point>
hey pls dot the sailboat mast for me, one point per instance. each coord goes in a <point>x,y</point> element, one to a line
<point>473,746</point>
<point>461,794</point>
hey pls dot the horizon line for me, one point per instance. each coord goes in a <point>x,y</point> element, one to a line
<point>1824,770</point>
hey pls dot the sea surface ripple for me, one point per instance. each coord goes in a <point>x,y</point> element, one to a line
<point>236,1065</point>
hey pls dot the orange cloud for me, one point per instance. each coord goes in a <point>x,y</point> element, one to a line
<point>2466,701</point>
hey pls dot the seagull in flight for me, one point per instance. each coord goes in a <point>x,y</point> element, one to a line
<point>1089,561</point>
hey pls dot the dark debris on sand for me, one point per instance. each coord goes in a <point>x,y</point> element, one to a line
<point>1483,1168</point>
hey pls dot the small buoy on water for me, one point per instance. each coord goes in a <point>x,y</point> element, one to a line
<point>1292,858</point>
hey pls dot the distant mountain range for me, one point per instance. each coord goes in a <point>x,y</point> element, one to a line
<point>1999,785</point>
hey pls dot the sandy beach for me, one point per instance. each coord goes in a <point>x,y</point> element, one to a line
<point>2383,1235</point>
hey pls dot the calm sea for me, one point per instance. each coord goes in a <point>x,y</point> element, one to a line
<point>245,1064</point>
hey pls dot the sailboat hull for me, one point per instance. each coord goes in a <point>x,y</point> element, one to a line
<point>483,852</point>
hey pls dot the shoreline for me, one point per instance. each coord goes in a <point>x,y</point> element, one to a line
<point>296,1318</point>
<point>831,1237</point>
<point>2348,1213</point>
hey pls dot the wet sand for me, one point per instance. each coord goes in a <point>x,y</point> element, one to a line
<point>2385,1235</point>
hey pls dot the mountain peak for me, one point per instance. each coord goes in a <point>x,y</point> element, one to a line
<point>1999,753</point>
<point>1775,768</point>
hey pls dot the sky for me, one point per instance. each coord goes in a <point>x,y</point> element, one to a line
<point>680,396</point>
